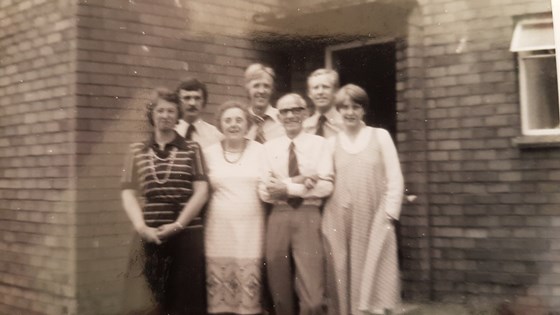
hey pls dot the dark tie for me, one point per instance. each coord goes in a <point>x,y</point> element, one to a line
<point>293,171</point>
<point>259,136</point>
<point>190,130</point>
<point>321,126</point>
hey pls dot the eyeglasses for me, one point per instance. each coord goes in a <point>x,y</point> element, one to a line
<point>294,110</point>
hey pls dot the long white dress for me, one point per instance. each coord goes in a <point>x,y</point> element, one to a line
<point>234,232</point>
<point>360,240</point>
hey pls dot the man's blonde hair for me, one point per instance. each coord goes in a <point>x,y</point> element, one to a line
<point>328,72</point>
<point>257,71</point>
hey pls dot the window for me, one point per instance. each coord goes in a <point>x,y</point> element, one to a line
<point>533,41</point>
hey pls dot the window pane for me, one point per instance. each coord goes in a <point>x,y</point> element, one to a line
<point>542,92</point>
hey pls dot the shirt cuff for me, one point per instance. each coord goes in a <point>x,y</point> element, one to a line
<point>293,189</point>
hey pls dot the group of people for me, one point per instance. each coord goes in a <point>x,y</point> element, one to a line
<point>274,210</point>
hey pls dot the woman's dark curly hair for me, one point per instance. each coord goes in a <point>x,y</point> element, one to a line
<point>166,95</point>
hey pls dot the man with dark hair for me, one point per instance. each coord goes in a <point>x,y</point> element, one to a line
<point>193,96</point>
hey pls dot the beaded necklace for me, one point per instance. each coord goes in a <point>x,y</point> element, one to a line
<point>225,153</point>
<point>170,159</point>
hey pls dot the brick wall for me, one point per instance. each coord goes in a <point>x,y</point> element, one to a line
<point>124,49</point>
<point>493,206</point>
<point>73,81</point>
<point>415,241</point>
<point>37,187</point>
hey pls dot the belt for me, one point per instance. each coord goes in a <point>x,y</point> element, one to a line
<point>285,207</point>
<point>306,202</point>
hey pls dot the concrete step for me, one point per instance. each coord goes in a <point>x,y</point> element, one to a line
<point>439,309</point>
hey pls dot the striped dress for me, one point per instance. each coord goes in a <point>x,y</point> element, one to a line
<point>175,269</point>
<point>360,240</point>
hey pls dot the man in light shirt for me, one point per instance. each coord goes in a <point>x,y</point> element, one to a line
<point>322,85</point>
<point>193,96</point>
<point>297,175</point>
<point>259,82</point>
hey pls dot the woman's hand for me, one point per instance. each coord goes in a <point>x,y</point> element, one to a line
<point>168,230</point>
<point>149,234</point>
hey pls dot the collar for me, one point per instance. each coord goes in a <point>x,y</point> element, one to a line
<point>331,114</point>
<point>269,113</point>
<point>297,139</point>
<point>178,142</point>
<point>196,123</point>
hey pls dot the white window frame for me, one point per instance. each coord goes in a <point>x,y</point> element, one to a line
<point>524,97</point>
<point>543,50</point>
<point>556,26</point>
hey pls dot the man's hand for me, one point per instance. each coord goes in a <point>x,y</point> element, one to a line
<point>310,181</point>
<point>276,188</point>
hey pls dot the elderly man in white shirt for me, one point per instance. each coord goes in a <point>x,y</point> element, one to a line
<point>298,174</point>
<point>193,95</point>
<point>326,122</point>
<point>259,82</point>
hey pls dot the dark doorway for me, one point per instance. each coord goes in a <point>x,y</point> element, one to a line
<point>372,67</point>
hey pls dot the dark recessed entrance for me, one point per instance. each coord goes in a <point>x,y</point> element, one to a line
<point>373,68</point>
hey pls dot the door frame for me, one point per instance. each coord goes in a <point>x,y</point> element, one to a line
<point>392,40</point>
<point>329,50</point>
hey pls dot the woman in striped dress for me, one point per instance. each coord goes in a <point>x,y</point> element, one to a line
<point>168,173</point>
<point>360,239</point>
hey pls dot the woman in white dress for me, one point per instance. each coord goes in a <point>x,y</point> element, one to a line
<point>234,231</point>
<point>360,240</point>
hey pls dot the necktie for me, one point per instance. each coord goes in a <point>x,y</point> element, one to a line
<point>259,136</point>
<point>321,126</point>
<point>190,130</point>
<point>293,170</point>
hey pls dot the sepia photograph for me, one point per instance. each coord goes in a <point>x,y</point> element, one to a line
<point>279,157</point>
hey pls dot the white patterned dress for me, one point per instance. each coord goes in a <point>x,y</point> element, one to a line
<point>234,232</point>
<point>359,237</point>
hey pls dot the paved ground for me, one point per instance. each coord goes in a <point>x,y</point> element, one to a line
<point>505,308</point>
<point>445,309</point>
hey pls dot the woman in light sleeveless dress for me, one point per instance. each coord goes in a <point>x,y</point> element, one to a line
<point>234,236</point>
<point>360,239</point>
